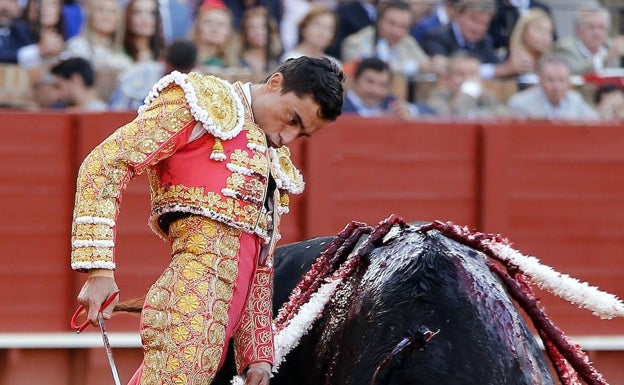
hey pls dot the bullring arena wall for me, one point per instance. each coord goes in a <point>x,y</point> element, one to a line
<point>555,190</point>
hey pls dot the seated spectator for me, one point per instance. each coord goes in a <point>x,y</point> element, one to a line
<point>74,79</point>
<point>369,94</point>
<point>462,93</point>
<point>143,38</point>
<point>590,49</point>
<point>533,36</point>
<point>352,17</point>
<point>422,9</point>
<point>609,101</point>
<point>441,16</point>
<point>73,14</point>
<point>507,14</point>
<point>99,39</point>
<point>47,26</point>
<point>390,41</point>
<point>134,84</point>
<point>239,7</point>
<point>43,91</point>
<point>14,32</point>
<point>317,30</point>
<point>213,33</point>
<point>177,18</point>
<point>255,41</point>
<point>293,12</point>
<point>468,32</point>
<point>553,97</point>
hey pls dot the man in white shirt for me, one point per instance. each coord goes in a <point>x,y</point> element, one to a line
<point>590,49</point>
<point>553,97</point>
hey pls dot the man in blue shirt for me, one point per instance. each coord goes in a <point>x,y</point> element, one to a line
<point>370,94</point>
<point>14,32</point>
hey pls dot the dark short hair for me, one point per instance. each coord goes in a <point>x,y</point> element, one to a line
<point>319,78</point>
<point>75,65</point>
<point>551,59</point>
<point>384,6</point>
<point>371,63</point>
<point>606,89</point>
<point>462,6</point>
<point>182,55</point>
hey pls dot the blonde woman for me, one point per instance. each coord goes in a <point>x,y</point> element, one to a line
<point>213,33</point>
<point>100,40</point>
<point>532,37</point>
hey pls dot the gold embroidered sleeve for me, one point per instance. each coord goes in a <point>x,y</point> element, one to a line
<point>156,133</point>
<point>253,342</point>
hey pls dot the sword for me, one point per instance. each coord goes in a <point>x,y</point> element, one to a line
<point>109,350</point>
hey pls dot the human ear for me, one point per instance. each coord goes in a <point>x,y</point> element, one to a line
<point>77,79</point>
<point>274,84</point>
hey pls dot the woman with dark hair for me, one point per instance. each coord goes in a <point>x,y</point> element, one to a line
<point>317,31</point>
<point>143,38</point>
<point>260,44</point>
<point>47,27</point>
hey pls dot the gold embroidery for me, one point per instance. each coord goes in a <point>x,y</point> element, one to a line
<point>158,297</point>
<point>217,99</point>
<point>186,349</point>
<point>257,163</point>
<point>227,270</point>
<point>256,137</point>
<point>284,200</point>
<point>233,210</point>
<point>209,360</point>
<point>106,170</point>
<point>89,254</point>
<point>188,303</point>
<point>254,341</point>
<point>283,168</point>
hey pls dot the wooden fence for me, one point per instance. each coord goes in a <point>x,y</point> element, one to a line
<point>555,190</point>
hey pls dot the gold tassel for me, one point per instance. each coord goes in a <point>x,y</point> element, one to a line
<point>217,151</point>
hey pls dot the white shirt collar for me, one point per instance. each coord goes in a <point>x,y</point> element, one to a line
<point>520,4</point>
<point>598,59</point>
<point>442,14</point>
<point>370,9</point>
<point>555,111</point>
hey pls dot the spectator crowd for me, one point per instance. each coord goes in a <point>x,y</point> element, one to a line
<point>458,59</point>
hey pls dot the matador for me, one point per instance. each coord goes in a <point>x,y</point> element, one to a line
<point>220,176</point>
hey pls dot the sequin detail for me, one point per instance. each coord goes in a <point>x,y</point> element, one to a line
<point>186,310</point>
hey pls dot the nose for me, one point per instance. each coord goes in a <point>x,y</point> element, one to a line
<point>289,134</point>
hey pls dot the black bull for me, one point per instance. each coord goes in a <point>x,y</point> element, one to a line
<point>413,282</point>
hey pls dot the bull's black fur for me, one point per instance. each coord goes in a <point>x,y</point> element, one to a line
<point>411,281</point>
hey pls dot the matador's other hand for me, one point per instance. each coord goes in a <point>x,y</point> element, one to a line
<point>258,374</point>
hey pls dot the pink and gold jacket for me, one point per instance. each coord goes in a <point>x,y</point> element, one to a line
<point>204,154</point>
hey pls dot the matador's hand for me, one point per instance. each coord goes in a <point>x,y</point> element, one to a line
<point>94,293</point>
<point>258,374</point>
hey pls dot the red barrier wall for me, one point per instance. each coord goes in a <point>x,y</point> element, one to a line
<point>554,190</point>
